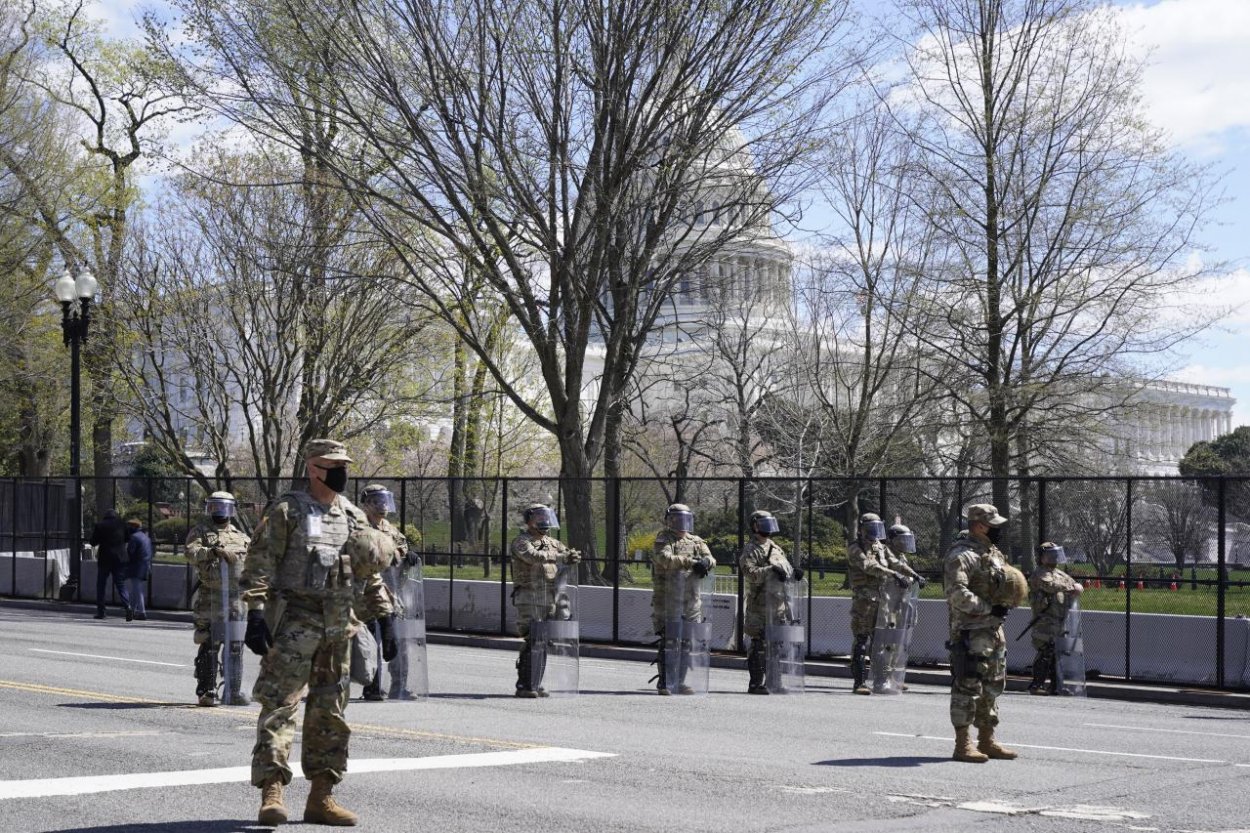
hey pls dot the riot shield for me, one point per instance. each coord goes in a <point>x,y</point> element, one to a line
<point>555,638</point>
<point>1070,654</point>
<point>785,635</point>
<point>228,628</point>
<point>408,674</point>
<point>891,638</point>
<point>687,632</point>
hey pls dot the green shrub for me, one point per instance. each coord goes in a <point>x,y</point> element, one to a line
<point>170,531</point>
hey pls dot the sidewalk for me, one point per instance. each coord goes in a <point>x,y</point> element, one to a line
<point>1101,689</point>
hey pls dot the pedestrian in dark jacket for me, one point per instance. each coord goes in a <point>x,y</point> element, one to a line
<point>109,535</point>
<point>138,564</point>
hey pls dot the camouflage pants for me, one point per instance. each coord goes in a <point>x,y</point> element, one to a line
<point>302,656</point>
<point>974,696</point>
<point>863,612</point>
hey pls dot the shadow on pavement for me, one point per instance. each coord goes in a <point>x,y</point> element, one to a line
<point>203,826</point>
<point>898,761</point>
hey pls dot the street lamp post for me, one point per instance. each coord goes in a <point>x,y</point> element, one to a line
<point>75,295</point>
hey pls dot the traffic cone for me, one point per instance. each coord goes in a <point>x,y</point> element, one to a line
<point>1172,587</point>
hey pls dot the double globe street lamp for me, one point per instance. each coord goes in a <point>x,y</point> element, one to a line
<point>75,295</point>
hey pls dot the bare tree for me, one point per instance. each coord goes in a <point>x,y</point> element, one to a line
<point>580,155</point>
<point>1064,222</point>
<point>1181,519</point>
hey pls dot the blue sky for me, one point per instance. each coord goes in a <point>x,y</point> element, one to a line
<point>1195,89</point>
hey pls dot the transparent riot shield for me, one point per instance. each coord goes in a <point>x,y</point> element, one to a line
<point>228,628</point>
<point>1070,654</point>
<point>784,634</point>
<point>554,667</point>
<point>891,638</point>
<point>408,674</point>
<point>687,632</point>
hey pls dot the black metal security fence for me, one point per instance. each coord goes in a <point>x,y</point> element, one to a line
<point>1165,561</point>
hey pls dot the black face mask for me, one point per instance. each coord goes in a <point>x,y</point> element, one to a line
<point>993,533</point>
<point>220,520</point>
<point>336,479</point>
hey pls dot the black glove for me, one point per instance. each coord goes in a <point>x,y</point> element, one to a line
<point>798,573</point>
<point>922,581</point>
<point>902,581</point>
<point>1000,611</point>
<point>390,645</point>
<point>701,567</point>
<point>257,637</point>
<point>412,559</point>
<point>780,570</point>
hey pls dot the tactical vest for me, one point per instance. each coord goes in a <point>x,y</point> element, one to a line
<point>314,562</point>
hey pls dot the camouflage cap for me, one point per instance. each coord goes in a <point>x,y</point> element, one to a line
<point>327,450</point>
<point>985,513</point>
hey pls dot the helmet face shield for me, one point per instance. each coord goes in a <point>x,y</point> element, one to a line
<point>219,507</point>
<point>680,520</point>
<point>543,518</point>
<point>904,542</point>
<point>874,530</point>
<point>381,500</point>
<point>1054,555</point>
<point>766,526</point>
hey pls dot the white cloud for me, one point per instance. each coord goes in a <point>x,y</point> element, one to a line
<point>1194,85</point>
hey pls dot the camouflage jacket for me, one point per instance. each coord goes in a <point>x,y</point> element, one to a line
<point>535,562</point>
<point>672,554</point>
<point>297,557</point>
<point>867,568</point>
<point>203,542</point>
<point>1050,591</point>
<point>756,563</point>
<point>365,594</point>
<point>971,569</point>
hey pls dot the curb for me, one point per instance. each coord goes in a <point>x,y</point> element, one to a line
<point>1102,689</point>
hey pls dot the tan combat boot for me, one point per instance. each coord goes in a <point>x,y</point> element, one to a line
<point>963,748</point>
<point>322,809</point>
<point>990,747</point>
<point>272,810</point>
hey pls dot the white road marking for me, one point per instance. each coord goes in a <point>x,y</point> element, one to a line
<point>1166,731</point>
<point>1068,749</point>
<point>1087,812</point>
<point>114,659</point>
<point>82,785</point>
<point>79,734</point>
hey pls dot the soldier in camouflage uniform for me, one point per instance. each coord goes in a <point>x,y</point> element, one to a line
<point>536,558</point>
<point>760,558</point>
<point>677,551</point>
<point>868,564</point>
<point>213,541</point>
<point>310,550</point>
<point>973,572</point>
<point>1051,591</point>
<point>376,500</point>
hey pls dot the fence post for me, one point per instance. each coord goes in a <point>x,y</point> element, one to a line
<point>614,539</point>
<point>1041,511</point>
<point>1128,579</point>
<point>742,501</point>
<point>503,561</point>
<point>152,538</point>
<point>45,537</point>
<point>883,492</point>
<point>811,505</point>
<point>13,535</point>
<point>1221,550</point>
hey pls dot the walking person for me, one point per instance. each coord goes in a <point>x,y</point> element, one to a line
<point>139,556</point>
<point>109,538</point>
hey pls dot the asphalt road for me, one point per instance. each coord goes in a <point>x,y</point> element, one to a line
<point>106,704</point>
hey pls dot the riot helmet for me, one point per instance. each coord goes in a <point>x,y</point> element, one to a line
<point>763,523</point>
<point>870,527</point>
<point>220,506</point>
<point>543,517</point>
<point>679,518</point>
<point>377,497</point>
<point>1050,554</point>
<point>901,539</point>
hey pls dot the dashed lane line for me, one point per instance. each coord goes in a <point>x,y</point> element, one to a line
<point>1068,749</point>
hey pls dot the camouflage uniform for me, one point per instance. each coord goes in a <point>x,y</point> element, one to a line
<point>370,604</point>
<point>673,555</point>
<point>1050,592</point>
<point>535,562</point>
<point>203,545</point>
<point>757,562</point>
<point>973,567</point>
<point>308,606</point>
<point>865,570</point>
